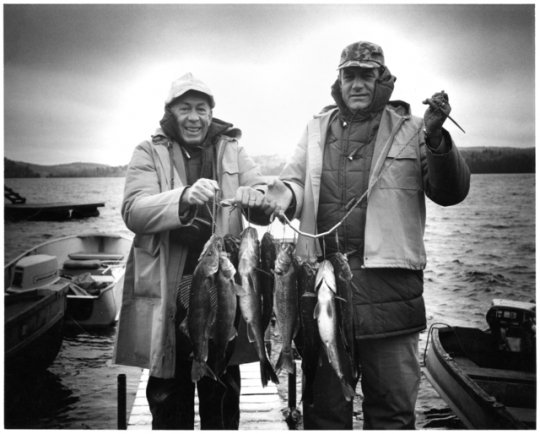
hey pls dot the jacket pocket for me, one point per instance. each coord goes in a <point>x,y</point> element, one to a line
<point>149,243</point>
<point>147,266</point>
<point>402,169</point>
<point>230,165</point>
<point>230,177</point>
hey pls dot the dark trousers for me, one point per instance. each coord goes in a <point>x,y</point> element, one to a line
<point>390,383</point>
<point>172,400</point>
<point>330,410</point>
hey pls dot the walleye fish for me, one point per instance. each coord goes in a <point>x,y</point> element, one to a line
<point>344,276</point>
<point>268,260</point>
<point>250,302</point>
<point>286,305</point>
<point>200,320</point>
<point>311,343</point>
<point>325,312</point>
<point>224,331</point>
<point>231,245</point>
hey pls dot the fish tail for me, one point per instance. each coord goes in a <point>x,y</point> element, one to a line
<point>199,369</point>
<point>348,391</point>
<point>285,362</point>
<point>267,373</point>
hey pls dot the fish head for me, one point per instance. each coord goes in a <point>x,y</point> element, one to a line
<point>267,238</point>
<point>226,266</point>
<point>341,265</point>
<point>310,267</point>
<point>325,275</point>
<point>268,247</point>
<point>231,242</point>
<point>248,258</point>
<point>284,258</point>
<point>209,259</point>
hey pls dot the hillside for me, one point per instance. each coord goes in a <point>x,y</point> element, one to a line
<point>479,160</point>
<point>500,160</point>
<point>18,169</point>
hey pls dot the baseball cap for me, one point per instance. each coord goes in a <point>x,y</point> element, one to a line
<point>362,54</point>
<point>186,83</point>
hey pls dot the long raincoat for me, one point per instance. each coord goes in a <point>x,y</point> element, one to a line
<point>146,329</point>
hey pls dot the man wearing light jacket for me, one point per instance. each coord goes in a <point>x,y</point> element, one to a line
<point>170,180</point>
<point>367,143</point>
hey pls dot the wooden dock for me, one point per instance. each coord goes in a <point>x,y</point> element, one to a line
<point>260,408</point>
<point>51,211</point>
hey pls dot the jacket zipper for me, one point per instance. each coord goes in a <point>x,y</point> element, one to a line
<point>171,162</point>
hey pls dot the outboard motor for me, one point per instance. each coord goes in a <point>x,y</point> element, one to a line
<point>35,271</point>
<point>513,325</point>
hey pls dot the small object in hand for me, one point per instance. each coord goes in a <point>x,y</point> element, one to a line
<point>449,117</point>
<point>227,202</point>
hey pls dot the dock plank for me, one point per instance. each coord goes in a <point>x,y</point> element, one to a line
<point>260,408</point>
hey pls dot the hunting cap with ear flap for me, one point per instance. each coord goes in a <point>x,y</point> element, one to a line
<point>186,83</point>
<point>362,54</point>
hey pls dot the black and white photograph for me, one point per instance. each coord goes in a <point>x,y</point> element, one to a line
<point>269,216</point>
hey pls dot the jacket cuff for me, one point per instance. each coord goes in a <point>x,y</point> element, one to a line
<point>186,212</point>
<point>291,210</point>
<point>444,147</point>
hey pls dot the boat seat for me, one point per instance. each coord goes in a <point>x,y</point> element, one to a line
<point>101,256</point>
<point>90,264</point>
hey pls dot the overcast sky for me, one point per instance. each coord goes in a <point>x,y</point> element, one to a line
<point>87,82</point>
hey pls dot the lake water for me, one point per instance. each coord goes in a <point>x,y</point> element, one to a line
<point>481,249</point>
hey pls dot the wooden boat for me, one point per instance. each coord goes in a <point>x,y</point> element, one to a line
<point>33,321</point>
<point>97,258</point>
<point>488,378</point>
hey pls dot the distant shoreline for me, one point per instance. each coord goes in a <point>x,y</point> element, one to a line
<point>479,159</point>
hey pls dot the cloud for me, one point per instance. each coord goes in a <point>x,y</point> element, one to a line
<point>87,82</point>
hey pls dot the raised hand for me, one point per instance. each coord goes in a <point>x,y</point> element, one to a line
<point>202,191</point>
<point>278,197</point>
<point>437,112</point>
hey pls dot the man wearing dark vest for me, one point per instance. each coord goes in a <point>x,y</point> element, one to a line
<point>365,141</point>
<point>171,180</point>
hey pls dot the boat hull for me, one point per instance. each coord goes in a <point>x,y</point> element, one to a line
<point>96,311</point>
<point>100,310</point>
<point>483,398</point>
<point>33,329</point>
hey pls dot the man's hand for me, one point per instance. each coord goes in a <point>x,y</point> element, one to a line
<point>248,197</point>
<point>436,114</point>
<point>278,197</point>
<point>201,192</point>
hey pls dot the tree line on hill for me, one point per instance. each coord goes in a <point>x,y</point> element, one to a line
<point>18,169</point>
<point>500,160</point>
<point>479,160</point>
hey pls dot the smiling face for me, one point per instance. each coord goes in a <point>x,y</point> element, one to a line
<point>193,116</point>
<point>357,86</point>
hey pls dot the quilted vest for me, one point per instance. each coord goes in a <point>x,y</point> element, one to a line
<point>345,178</point>
<point>387,301</point>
